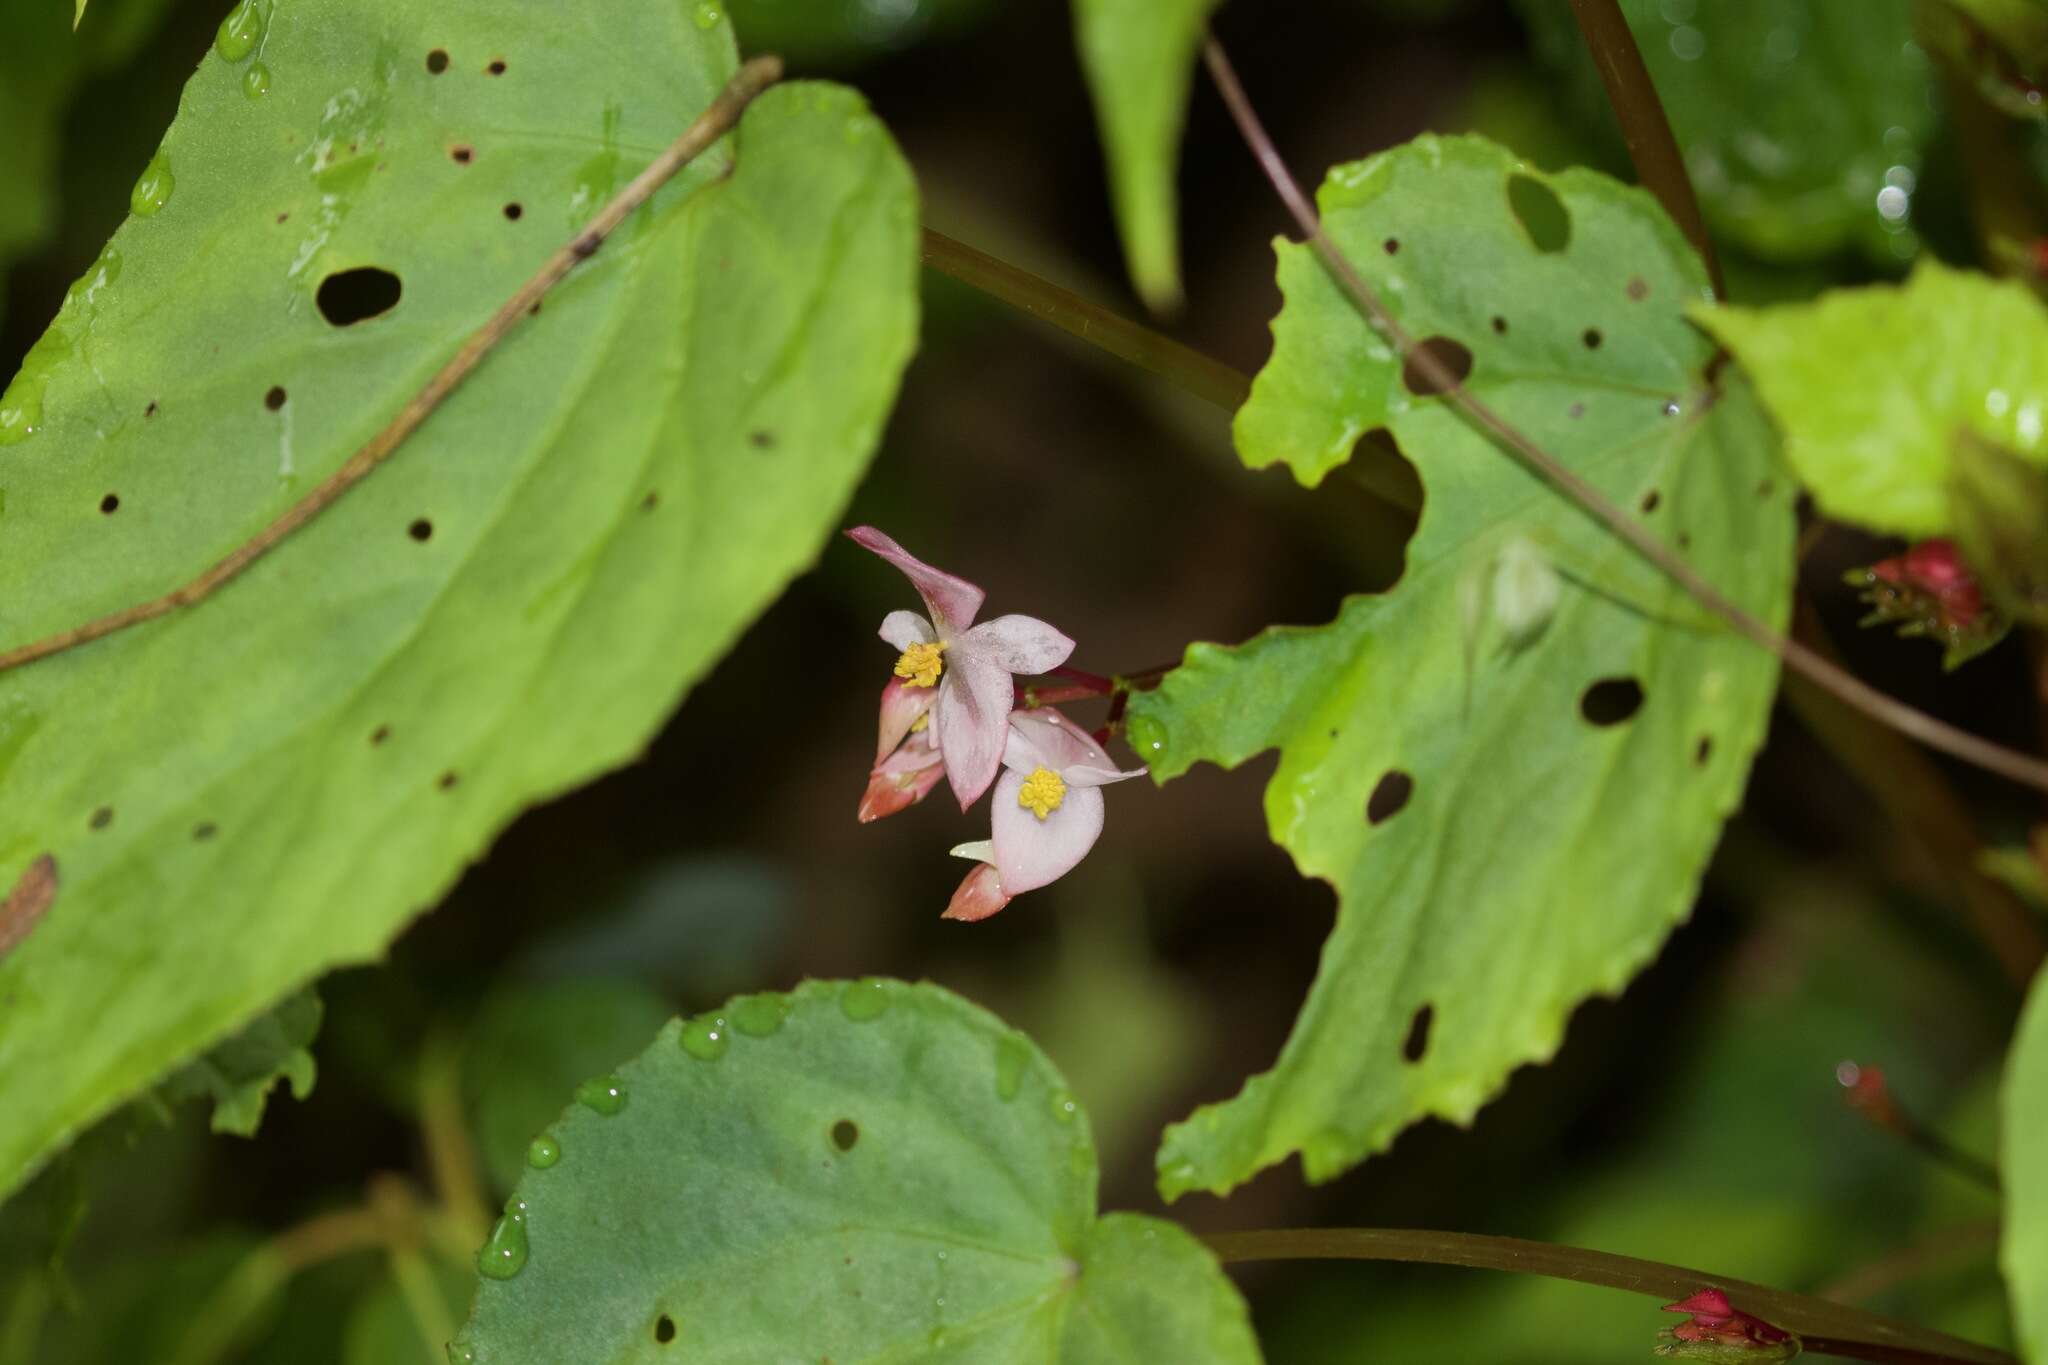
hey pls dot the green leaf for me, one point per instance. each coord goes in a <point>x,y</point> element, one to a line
<point>1871,385</point>
<point>856,1171</point>
<point>78,14</point>
<point>239,1073</point>
<point>272,782</point>
<point>1508,830</point>
<point>1139,58</point>
<point>1794,116</point>
<point>2024,1252</point>
<point>531,1044</point>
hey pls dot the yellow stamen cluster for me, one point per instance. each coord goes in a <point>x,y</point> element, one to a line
<point>1042,792</point>
<point>920,665</point>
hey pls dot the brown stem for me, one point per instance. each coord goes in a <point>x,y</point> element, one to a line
<point>1438,378</point>
<point>1826,1328</point>
<point>1644,127</point>
<point>1911,1262</point>
<point>752,78</point>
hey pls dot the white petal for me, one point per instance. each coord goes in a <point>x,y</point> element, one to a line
<point>1044,738</point>
<point>1031,852</point>
<point>1085,775</point>
<point>980,851</point>
<point>1022,644</point>
<point>902,704</point>
<point>902,629</point>
<point>973,720</point>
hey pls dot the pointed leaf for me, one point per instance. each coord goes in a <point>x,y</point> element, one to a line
<point>1508,831</point>
<point>1139,58</point>
<point>1871,385</point>
<point>856,1171</point>
<point>254,789</point>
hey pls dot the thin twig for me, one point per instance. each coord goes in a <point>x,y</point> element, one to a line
<point>1911,1262</point>
<point>1825,1328</point>
<point>754,77</point>
<point>1438,378</point>
<point>1644,126</point>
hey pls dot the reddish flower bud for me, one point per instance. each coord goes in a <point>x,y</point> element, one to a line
<point>978,897</point>
<point>1929,590</point>
<point>1719,1331</point>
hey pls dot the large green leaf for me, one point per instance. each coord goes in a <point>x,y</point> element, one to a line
<point>1803,122</point>
<point>2024,1166</point>
<point>1139,57</point>
<point>859,1171</point>
<point>1871,385</point>
<point>1457,759</point>
<point>252,790</point>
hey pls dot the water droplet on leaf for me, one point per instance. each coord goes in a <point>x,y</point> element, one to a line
<point>709,15</point>
<point>865,999</point>
<point>256,81</point>
<point>758,1016</point>
<point>706,1037</point>
<point>239,32</point>
<point>153,190</point>
<point>543,1152</point>
<point>1063,1106</point>
<point>504,1251</point>
<point>604,1094</point>
<point>1013,1055</point>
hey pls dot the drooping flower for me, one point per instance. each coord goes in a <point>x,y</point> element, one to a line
<point>1718,1331</point>
<point>1047,812</point>
<point>967,667</point>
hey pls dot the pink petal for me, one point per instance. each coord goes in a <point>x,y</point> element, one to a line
<point>980,895</point>
<point>953,601</point>
<point>1022,644</point>
<point>1031,852</point>
<point>902,629</point>
<point>973,721</point>
<point>1045,738</point>
<point>899,782</point>
<point>902,704</point>
<point>1711,1303</point>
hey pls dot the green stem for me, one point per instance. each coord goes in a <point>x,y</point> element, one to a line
<point>1825,1328</point>
<point>1209,380</point>
<point>1660,166</point>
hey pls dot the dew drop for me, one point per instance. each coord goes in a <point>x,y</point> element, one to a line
<point>709,15</point>
<point>239,32</point>
<point>604,1094</point>
<point>256,81</point>
<point>1063,1106</point>
<point>461,1353</point>
<point>706,1037</point>
<point>504,1251</point>
<point>543,1152</point>
<point>1013,1055</point>
<point>153,190</point>
<point>1147,735</point>
<point>21,407</point>
<point>758,1016</point>
<point>865,999</point>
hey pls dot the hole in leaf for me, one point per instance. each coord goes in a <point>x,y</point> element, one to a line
<point>763,440</point>
<point>462,153</point>
<point>513,212</point>
<point>1576,411</point>
<point>437,61</point>
<point>1389,794</point>
<point>110,503</point>
<point>1611,701</point>
<point>1650,501</point>
<point>844,1134</point>
<point>350,296</point>
<point>651,501</point>
<point>150,411</point>
<point>275,398</point>
<point>1392,245</point>
<point>1500,325</point>
<point>204,831</point>
<point>1541,213</point>
<point>1592,338</point>
<point>497,67</point>
<point>1448,354</point>
<point>421,530</point>
<point>1638,288</point>
<point>1417,1041</point>
<point>664,1329</point>
<point>380,734</point>
<point>448,780</point>
<point>1766,488</point>
<point>102,817</point>
<point>1703,751</point>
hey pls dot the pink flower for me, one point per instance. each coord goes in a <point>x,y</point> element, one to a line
<point>970,666</point>
<point>1047,812</point>
<point>1718,1322</point>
